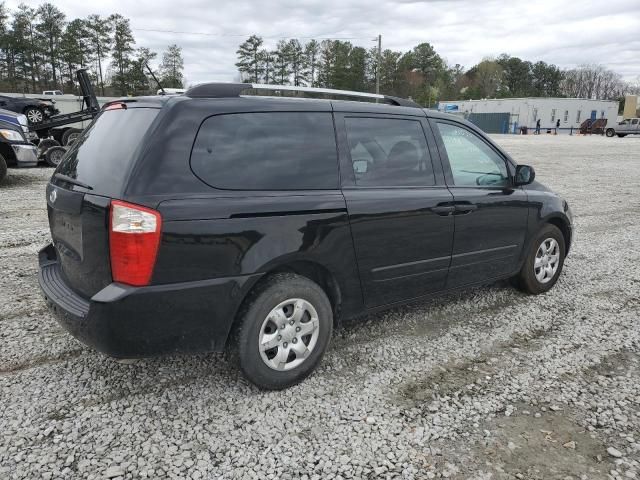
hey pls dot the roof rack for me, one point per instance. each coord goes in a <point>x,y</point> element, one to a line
<point>224,90</point>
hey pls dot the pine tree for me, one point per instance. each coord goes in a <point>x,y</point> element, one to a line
<point>312,54</point>
<point>72,51</point>
<point>171,67</point>
<point>50,28</point>
<point>137,74</point>
<point>122,49</point>
<point>267,58</point>
<point>297,62</point>
<point>282,64</point>
<point>99,42</point>
<point>249,58</point>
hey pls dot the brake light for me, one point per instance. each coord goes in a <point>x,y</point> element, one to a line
<point>116,106</point>
<point>134,237</point>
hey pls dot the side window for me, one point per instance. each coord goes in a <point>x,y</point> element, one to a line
<point>267,151</point>
<point>634,121</point>
<point>389,152</point>
<point>472,161</point>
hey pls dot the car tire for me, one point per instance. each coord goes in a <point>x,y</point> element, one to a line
<point>3,168</point>
<point>610,132</point>
<point>34,115</point>
<point>45,144</point>
<point>53,155</point>
<point>70,135</point>
<point>276,313</point>
<point>544,261</point>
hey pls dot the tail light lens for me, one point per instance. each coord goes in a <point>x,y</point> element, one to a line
<point>134,237</point>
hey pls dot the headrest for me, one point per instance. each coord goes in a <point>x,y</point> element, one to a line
<point>403,155</point>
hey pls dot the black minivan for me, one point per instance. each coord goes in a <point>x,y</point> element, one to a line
<point>214,219</point>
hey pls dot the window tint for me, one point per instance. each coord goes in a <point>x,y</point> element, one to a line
<point>103,154</point>
<point>267,151</point>
<point>389,152</point>
<point>472,161</point>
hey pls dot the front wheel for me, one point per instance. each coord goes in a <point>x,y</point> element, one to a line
<point>610,132</point>
<point>34,115</point>
<point>544,261</point>
<point>285,329</point>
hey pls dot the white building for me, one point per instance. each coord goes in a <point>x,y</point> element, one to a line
<point>526,111</point>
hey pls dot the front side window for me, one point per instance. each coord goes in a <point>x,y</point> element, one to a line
<point>267,151</point>
<point>389,152</point>
<point>634,121</point>
<point>472,161</point>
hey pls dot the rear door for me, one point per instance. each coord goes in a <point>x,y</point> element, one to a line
<point>399,208</point>
<point>490,215</point>
<point>78,197</point>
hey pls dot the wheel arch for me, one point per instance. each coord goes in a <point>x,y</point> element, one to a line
<point>314,271</point>
<point>564,227</point>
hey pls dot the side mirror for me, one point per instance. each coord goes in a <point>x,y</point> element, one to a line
<point>525,175</point>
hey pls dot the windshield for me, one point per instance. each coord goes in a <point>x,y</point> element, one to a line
<point>102,157</point>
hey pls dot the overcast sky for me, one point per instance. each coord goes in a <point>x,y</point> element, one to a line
<point>462,31</point>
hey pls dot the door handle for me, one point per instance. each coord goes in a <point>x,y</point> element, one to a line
<point>463,209</point>
<point>444,210</point>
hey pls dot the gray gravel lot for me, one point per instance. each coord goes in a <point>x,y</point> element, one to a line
<point>483,384</point>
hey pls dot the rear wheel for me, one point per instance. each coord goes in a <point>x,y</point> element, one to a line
<point>610,132</point>
<point>53,155</point>
<point>544,261</point>
<point>70,135</point>
<point>285,329</point>
<point>34,115</point>
<point>3,168</point>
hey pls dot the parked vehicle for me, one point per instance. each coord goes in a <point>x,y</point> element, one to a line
<point>36,110</point>
<point>52,92</point>
<point>629,126</point>
<point>171,91</point>
<point>57,127</point>
<point>217,219</point>
<point>15,148</point>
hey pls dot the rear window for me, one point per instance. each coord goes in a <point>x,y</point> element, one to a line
<point>267,151</point>
<point>101,157</point>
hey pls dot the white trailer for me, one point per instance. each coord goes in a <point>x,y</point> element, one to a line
<point>524,112</point>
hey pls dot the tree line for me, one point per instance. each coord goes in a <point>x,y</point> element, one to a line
<point>41,49</point>
<point>420,73</point>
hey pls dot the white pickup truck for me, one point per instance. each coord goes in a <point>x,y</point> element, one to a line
<point>629,126</point>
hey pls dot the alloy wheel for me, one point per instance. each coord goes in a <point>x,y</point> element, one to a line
<point>34,115</point>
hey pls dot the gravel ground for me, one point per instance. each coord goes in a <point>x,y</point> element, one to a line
<point>483,384</point>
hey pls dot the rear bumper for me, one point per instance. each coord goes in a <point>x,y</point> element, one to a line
<point>129,322</point>
<point>26,155</point>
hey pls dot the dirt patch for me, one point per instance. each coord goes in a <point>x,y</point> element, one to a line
<point>470,376</point>
<point>547,447</point>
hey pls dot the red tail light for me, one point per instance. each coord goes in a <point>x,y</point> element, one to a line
<point>134,237</point>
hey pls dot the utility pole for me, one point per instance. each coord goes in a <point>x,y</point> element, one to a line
<point>378,64</point>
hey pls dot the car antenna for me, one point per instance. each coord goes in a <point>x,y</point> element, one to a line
<point>155,78</point>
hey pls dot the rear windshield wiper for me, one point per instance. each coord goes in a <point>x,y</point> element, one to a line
<point>72,181</point>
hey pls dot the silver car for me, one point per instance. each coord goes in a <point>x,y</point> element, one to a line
<point>629,126</point>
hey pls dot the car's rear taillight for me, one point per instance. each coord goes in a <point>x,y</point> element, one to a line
<point>134,237</point>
